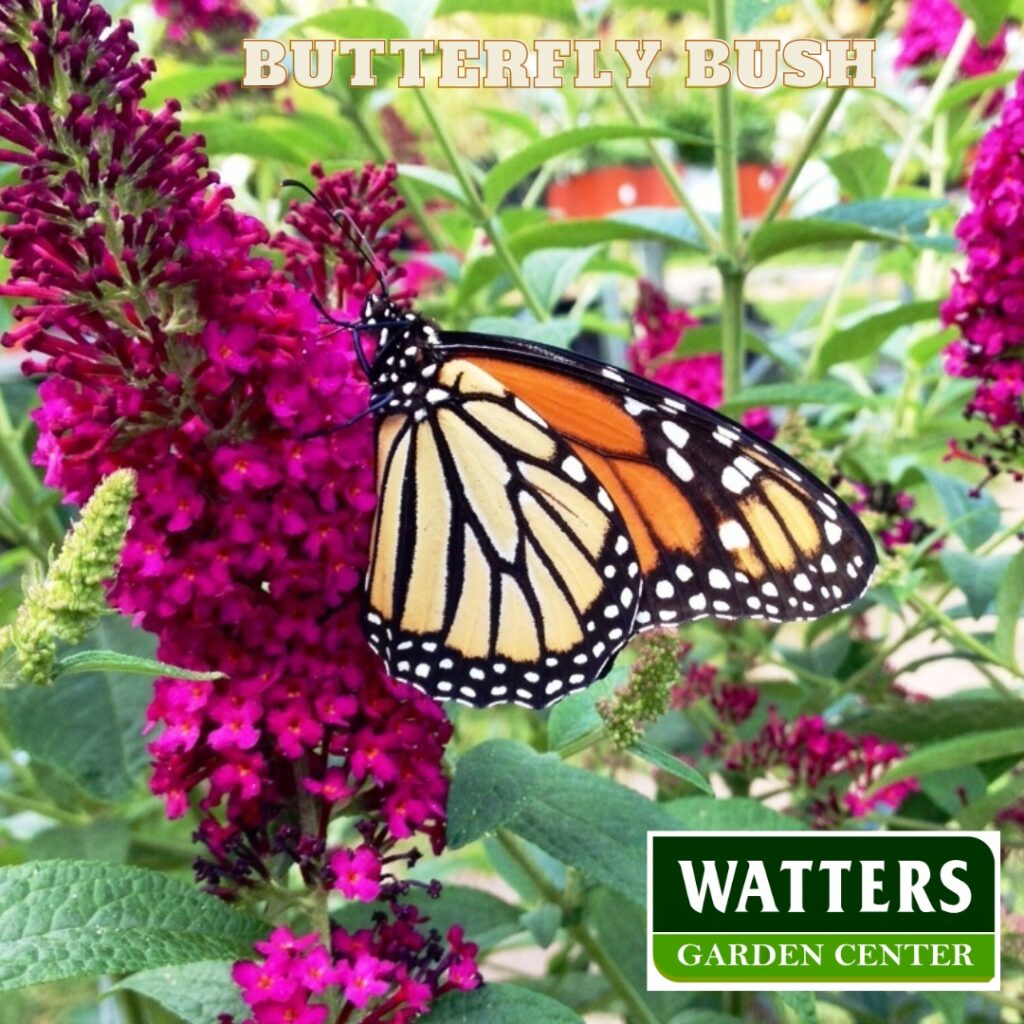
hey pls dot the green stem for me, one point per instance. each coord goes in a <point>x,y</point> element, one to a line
<point>915,127</point>
<point>637,1009</point>
<point>24,482</point>
<point>822,116</point>
<point>665,168</point>
<point>732,332</point>
<point>730,264</point>
<point>726,160</point>
<point>923,606</point>
<point>480,211</point>
<point>49,810</point>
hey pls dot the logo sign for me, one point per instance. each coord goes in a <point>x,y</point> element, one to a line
<point>811,910</point>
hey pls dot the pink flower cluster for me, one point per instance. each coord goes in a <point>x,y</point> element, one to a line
<point>834,770</point>
<point>893,522</point>
<point>931,29</point>
<point>390,972</point>
<point>170,344</point>
<point>225,22</point>
<point>986,302</point>
<point>655,353</point>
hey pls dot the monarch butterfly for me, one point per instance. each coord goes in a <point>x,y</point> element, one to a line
<point>537,509</point>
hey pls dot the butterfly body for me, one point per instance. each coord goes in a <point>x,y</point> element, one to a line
<point>537,509</point>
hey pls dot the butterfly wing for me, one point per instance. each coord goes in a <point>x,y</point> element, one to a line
<point>501,570</point>
<point>722,523</point>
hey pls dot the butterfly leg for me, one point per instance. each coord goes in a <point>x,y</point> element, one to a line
<point>375,406</point>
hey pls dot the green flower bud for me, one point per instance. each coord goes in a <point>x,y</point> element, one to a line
<point>71,598</point>
<point>648,692</point>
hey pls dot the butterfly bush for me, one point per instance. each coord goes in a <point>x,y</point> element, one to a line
<point>986,302</point>
<point>931,29</point>
<point>170,345</point>
<point>829,771</point>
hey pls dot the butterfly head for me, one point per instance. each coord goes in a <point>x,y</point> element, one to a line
<point>402,337</point>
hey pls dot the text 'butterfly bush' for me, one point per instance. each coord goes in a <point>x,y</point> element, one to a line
<point>986,302</point>
<point>169,346</point>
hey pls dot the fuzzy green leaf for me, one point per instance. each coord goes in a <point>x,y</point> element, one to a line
<point>499,1004</point>
<point>73,919</point>
<point>113,661</point>
<point>667,763</point>
<point>1009,601</point>
<point>869,333</point>
<point>974,748</point>
<point>198,993</point>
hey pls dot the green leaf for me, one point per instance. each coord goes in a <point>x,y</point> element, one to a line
<point>101,840</point>
<point>977,577</point>
<point>572,719</point>
<point>971,88</point>
<point>436,181</point>
<point>189,81</point>
<point>950,1004</point>
<point>750,13</point>
<point>68,919</point>
<point>290,139</point>
<point>559,331</point>
<point>740,813</point>
<point>499,1004</point>
<point>802,1004</point>
<point>622,929</point>
<point>667,763</point>
<point>198,993</point>
<point>973,519</point>
<point>824,392</point>
<point>1001,793</point>
<point>938,719</point>
<point>870,332</point>
<point>550,271</point>
<point>988,16</point>
<point>543,923</point>
<point>507,173</point>
<point>861,173</point>
<point>486,919</point>
<point>87,727</point>
<point>974,748</point>
<point>581,819</point>
<point>112,661</point>
<point>1009,600</point>
<point>348,23</point>
<point>880,220</point>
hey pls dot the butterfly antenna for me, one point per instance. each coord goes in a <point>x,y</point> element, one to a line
<point>344,220</point>
<point>357,343</point>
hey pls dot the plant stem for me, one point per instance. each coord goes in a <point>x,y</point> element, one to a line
<point>665,168</point>
<point>954,632</point>
<point>480,211</point>
<point>915,128</point>
<point>15,466</point>
<point>637,1009</point>
<point>730,263</point>
<point>732,332</point>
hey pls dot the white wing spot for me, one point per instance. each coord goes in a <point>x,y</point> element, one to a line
<point>684,573</point>
<point>611,374</point>
<point>604,501</point>
<point>698,602</point>
<point>553,687</point>
<point>635,408</point>
<point>748,467</point>
<point>718,579</point>
<point>801,582</point>
<point>621,546</point>
<point>675,433</point>
<point>679,466</point>
<point>733,480</point>
<point>770,590</point>
<point>833,532</point>
<point>665,590</point>
<point>423,670</point>
<point>733,536</point>
<point>574,469</point>
<point>828,563</point>
<point>627,597</point>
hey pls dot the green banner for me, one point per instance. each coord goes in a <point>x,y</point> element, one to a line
<point>885,910</point>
